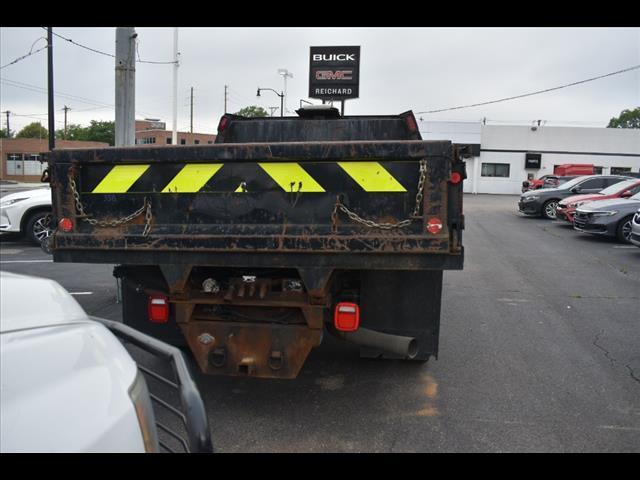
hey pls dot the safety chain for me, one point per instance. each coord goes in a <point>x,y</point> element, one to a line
<point>146,207</point>
<point>384,226</point>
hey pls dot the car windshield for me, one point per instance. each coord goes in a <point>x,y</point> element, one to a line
<point>636,196</point>
<point>573,182</point>
<point>618,187</point>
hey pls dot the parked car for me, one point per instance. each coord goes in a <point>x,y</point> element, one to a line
<point>635,229</point>
<point>544,202</point>
<point>547,181</point>
<point>567,207</point>
<point>69,385</point>
<point>611,218</point>
<point>556,181</point>
<point>26,212</point>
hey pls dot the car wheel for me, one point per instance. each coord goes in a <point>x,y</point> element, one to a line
<point>623,232</point>
<point>549,209</point>
<point>37,227</point>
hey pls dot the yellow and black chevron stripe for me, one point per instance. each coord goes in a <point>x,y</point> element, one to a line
<point>310,177</point>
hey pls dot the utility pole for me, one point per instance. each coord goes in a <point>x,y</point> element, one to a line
<point>191,109</point>
<point>51,113</point>
<point>273,109</point>
<point>225,98</point>
<point>66,109</point>
<point>7,112</point>
<point>174,134</point>
<point>125,86</point>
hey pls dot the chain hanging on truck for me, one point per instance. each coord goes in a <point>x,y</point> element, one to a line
<point>146,208</point>
<point>384,226</point>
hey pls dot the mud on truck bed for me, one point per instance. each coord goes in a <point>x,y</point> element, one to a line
<point>250,249</point>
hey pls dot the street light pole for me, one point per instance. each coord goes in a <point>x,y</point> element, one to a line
<point>285,73</point>
<point>174,130</point>
<point>281,95</point>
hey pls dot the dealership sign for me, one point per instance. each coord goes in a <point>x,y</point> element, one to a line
<point>334,73</point>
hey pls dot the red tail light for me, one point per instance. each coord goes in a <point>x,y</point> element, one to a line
<point>346,317</point>
<point>456,177</point>
<point>224,121</point>
<point>158,307</point>
<point>434,225</point>
<point>412,124</point>
<point>65,224</point>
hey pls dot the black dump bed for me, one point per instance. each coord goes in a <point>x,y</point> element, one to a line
<point>286,192</point>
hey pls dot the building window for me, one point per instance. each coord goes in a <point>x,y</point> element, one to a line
<point>495,170</point>
<point>196,142</point>
<point>597,170</point>
<point>168,141</point>
<point>147,140</point>
<point>14,156</point>
<point>183,141</point>
<point>620,170</point>
<point>209,142</point>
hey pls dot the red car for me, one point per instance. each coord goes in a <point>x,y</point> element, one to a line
<point>567,207</point>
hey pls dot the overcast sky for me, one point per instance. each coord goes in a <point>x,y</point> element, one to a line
<point>401,69</point>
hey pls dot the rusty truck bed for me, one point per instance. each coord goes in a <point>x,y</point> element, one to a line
<point>294,204</point>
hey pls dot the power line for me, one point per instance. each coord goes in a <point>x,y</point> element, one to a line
<point>105,53</point>
<point>31,52</point>
<point>35,88</point>
<point>149,61</point>
<point>533,93</point>
<point>83,46</point>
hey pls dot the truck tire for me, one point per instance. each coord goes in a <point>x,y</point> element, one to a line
<point>35,227</point>
<point>623,232</point>
<point>549,209</point>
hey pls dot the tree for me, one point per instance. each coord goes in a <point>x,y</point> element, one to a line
<point>3,133</point>
<point>627,119</point>
<point>101,132</point>
<point>33,130</point>
<point>253,111</point>
<point>74,132</point>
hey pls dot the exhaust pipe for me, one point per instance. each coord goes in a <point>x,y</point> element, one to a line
<point>403,346</point>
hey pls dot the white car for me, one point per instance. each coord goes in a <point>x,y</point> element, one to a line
<point>635,229</point>
<point>67,382</point>
<point>26,212</point>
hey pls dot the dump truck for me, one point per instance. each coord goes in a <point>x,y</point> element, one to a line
<point>286,229</point>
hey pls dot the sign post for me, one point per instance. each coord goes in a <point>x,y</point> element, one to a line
<point>334,73</point>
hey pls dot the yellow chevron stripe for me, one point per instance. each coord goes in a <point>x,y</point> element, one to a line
<point>285,174</point>
<point>192,177</point>
<point>120,178</point>
<point>372,176</point>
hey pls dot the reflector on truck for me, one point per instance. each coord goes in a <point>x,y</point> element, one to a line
<point>289,177</point>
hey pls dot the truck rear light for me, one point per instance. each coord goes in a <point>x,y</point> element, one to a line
<point>158,308</point>
<point>411,123</point>
<point>223,124</point>
<point>434,225</point>
<point>65,224</point>
<point>456,178</point>
<point>346,317</point>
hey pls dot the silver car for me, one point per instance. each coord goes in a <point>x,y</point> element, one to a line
<point>612,218</point>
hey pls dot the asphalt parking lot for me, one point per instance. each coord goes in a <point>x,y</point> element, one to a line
<point>539,351</point>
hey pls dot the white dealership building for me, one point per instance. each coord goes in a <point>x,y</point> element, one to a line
<point>498,152</point>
